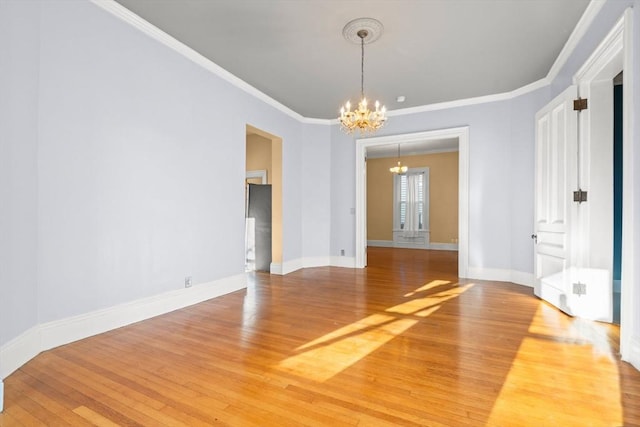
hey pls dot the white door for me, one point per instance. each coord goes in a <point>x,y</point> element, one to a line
<point>563,273</point>
<point>556,148</point>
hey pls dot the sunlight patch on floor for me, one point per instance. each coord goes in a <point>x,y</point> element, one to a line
<point>432,284</point>
<point>416,305</point>
<point>545,357</point>
<point>322,363</point>
<point>548,322</point>
<point>366,323</point>
<point>324,357</point>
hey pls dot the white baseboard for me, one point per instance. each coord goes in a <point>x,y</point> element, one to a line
<point>1,395</point>
<point>522,278</point>
<point>380,243</point>
<point>20,350</point>
<point>634,353</point>
<point>343,261</point>
<point>310,262</point>
<point>431,246</point>
<point>275,268</point>
<point>297,264</point>
<point>500,275</point>
<point>53,334</point>
<point>319,261</point>
<point>443,246</point>
<point>410,245</point>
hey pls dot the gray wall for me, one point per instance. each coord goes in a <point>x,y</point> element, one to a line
<point>119,155</point>
<point>19,57</point>
<point>500,185</point>
<point>316,196</point>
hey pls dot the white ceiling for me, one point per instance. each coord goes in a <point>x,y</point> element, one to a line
<point>431,51</point>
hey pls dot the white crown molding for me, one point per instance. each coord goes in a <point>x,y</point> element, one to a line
<point>155,33</point>
<point>604,53</point>
<point>43,337</point>
<point>531,87</point>
<point>505,96</point>
<point>593,8</point>
<point>325,122</point>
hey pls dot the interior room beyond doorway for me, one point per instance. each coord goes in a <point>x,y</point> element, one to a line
<point>434,197</point>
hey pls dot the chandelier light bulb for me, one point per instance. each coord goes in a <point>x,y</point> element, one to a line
<point>399,169</point>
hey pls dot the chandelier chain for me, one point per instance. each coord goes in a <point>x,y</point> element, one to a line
<point>362,66</point>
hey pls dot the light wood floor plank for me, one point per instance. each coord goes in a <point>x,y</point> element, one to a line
<point>402,342</point>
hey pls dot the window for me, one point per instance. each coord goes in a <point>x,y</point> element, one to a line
<point>411,200</point>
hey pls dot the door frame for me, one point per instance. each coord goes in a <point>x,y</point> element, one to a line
<point>262,174</point>
<point>615,52</point>
<point>462,134</point>
<point>276,204</point>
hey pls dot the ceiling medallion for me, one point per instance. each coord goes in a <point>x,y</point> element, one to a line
<point>362,31</point>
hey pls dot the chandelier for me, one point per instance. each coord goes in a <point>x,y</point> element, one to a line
<point>399,168</point>
<point>362,118</point>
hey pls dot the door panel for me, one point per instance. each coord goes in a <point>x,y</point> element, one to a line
<point>564,276</point>
<point>555,175</point>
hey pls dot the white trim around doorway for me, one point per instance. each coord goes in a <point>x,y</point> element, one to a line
<point>613,53</point>
<point>462,133</point>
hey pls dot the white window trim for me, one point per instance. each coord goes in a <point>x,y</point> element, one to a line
<point>396,198</point>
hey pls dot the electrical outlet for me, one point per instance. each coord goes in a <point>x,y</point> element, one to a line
<point>187,282</point>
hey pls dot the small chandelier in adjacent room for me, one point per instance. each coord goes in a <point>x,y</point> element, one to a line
<point>367,121</point>
<point>399,168</point>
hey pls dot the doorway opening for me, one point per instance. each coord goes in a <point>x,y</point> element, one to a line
<point>595,80</point>
<point>617,194</point>
<point>263,196</point>
<point>461,135</point>
<point>416,209</point>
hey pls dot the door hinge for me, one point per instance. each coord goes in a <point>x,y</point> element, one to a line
<point>580,288</point>
<point>580,104</point>
<point>580,196</point>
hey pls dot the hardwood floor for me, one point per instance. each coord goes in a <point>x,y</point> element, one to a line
<point>402,342</point>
